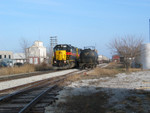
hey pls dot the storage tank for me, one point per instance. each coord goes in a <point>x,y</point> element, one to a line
<point>145,56</point>
<point>88,58</point>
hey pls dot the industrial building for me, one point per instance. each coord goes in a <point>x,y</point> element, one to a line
<point>19,58</point>
<point>36,54</point>
<point>116,58</point>
<point>6,55</point>
<point>6,58</point>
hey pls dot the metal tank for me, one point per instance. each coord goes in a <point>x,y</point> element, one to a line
<point>88,58</point>
<point>145,56</point>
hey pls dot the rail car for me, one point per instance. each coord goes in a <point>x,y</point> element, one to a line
<point>65,56</point>
<point>88,58</point>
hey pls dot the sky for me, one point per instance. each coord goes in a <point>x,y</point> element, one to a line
<point>77,22</point>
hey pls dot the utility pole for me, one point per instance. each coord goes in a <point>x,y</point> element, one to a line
<point>53,42</point>
<point>149,30</point>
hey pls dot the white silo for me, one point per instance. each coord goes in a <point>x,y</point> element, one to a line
<point>36,53</point>
<point>145,56</point>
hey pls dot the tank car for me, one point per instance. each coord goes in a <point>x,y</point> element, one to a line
<point>65,56</point>
<point>88,58</point>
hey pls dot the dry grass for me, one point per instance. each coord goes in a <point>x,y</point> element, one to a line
<point>24,69</point>
<point>95,74</point>
<point>43,67</point>
<point>134,69</point>
<point>74,78</point>
<point>114,65</point>
<point>120,66</point>
<point>104,72</point>
<point>101,72</point>
<point>17,70</point>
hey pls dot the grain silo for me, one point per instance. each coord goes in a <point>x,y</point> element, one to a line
<point>145,56</point>
<point>36,53</point>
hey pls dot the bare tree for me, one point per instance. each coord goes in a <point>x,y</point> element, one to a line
<point>127,47</point>
<point>49,54</point>
<point>24,45</point>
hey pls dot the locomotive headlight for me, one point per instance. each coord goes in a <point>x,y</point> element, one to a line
<point>55,62</point>
<point>64,61</point>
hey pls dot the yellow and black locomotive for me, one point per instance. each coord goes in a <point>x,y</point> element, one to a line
<point>65,56</point>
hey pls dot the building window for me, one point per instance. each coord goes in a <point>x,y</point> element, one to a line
<point>4,56</point>
<point>0,56</point>
<point>9,56</point>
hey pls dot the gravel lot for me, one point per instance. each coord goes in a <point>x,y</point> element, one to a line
<point>128,93</point>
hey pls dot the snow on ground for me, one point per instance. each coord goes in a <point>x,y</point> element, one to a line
<point>22,81</point>
<point>118,87</point>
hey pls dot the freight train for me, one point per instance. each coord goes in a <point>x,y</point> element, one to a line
<point>88,58</point>
<point>67,56</point>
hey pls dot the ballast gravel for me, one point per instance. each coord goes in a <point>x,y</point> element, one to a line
<point>22,81</point>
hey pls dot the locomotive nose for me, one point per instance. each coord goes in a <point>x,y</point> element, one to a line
<point>61,55</point>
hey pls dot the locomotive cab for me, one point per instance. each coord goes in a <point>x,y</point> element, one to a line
<point>64,56</point>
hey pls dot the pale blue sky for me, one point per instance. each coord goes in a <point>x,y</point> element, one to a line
<point>76,22</point>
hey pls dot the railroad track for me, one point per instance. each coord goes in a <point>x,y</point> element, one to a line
<point>34,98</point>
<point>25,75</point>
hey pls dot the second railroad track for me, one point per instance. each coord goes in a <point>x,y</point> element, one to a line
<point>33,98</point>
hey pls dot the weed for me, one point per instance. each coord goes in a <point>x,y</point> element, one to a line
<point>17,70</point>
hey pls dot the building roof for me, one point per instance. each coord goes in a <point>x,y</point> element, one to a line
<point>19,56</point>
<point>6,52</point>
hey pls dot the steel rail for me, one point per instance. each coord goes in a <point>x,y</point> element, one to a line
<point>35,100</point>
<point>35,86</point>
<point>31,103</point>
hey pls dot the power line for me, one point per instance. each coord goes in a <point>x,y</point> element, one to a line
<point>53,43</point>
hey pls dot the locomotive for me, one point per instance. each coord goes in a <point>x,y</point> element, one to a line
<point>88,58</point>
<point>65,56</point>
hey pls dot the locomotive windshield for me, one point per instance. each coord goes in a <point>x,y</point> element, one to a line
<point>61,47</point>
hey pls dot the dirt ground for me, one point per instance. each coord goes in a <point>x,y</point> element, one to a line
<point>121,93</point>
